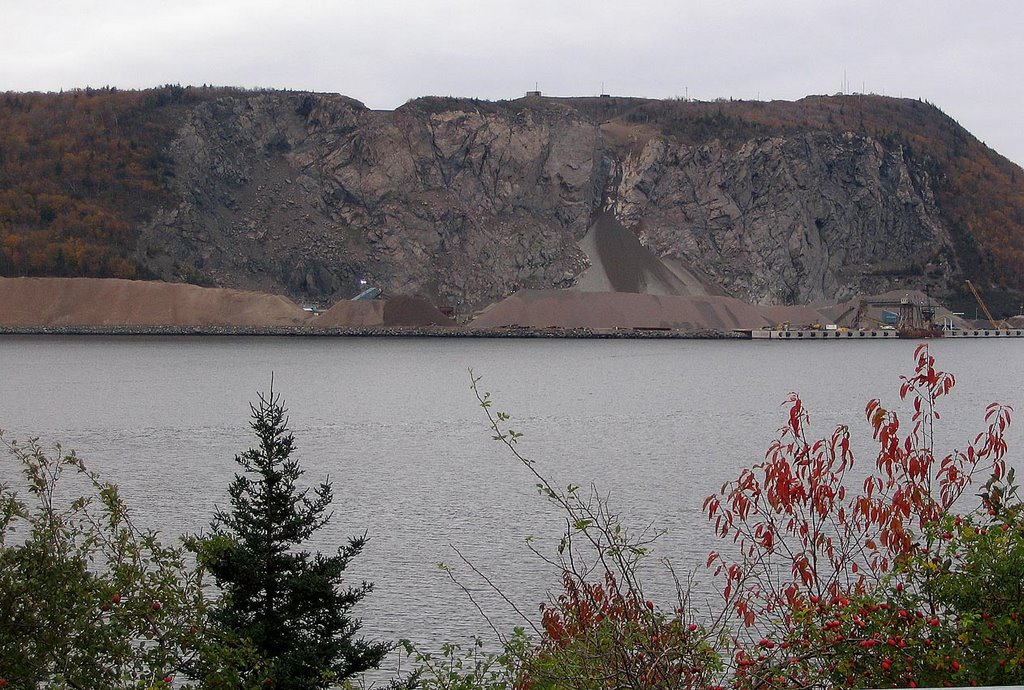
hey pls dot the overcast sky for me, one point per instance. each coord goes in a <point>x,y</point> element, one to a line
<point>964,56</point>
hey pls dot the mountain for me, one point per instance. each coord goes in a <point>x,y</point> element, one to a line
<point>468,201</point>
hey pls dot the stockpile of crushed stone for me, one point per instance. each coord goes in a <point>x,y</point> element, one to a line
<point>608,310</point>
<point>398,311</point>
<point>352,314</point>
<point>403,310</point>
<point>797,315</point>
<point>56,302</point>
<point>619,263</point>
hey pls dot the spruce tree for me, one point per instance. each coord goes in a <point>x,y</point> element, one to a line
<point>292,605</point>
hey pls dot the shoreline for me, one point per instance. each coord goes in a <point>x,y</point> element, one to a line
<point>379,331</point>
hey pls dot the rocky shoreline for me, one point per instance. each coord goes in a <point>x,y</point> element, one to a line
<point>379,331</point>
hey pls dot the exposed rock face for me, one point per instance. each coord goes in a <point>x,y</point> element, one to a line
<point>784,220</point>
<point>467,202</point>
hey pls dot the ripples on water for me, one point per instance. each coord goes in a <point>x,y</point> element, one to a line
<point>658,424</point>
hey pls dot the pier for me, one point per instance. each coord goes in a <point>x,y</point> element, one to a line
<point>879,334</point>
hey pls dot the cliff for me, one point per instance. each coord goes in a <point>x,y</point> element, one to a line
<point>466,202</point>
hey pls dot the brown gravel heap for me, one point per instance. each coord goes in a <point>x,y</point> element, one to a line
<point>398,311</point>
<point>403,310</point>
<point>608,310</point>
<point>797,315</point>
<point>55,302</point>
<point>352,314</point>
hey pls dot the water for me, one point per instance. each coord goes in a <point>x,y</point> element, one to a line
<point>393,422</point>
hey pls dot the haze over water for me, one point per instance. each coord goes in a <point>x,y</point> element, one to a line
<point>657,424</point>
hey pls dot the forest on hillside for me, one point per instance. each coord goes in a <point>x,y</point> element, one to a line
<point>79,171</point>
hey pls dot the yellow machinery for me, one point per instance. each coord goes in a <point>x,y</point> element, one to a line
<point>981,303</point>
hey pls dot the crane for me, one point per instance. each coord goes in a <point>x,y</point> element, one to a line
<point>981,303</point>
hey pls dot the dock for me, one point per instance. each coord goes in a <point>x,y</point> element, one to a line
<point>985,333</point>
<point>816,334</point>
<point>878,334</point>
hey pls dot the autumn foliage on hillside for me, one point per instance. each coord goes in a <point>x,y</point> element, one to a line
<point>78,172</point>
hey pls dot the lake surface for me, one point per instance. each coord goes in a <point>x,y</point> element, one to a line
<point>658,424</point>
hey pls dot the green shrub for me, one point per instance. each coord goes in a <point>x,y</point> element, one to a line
<point>87,599</point>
